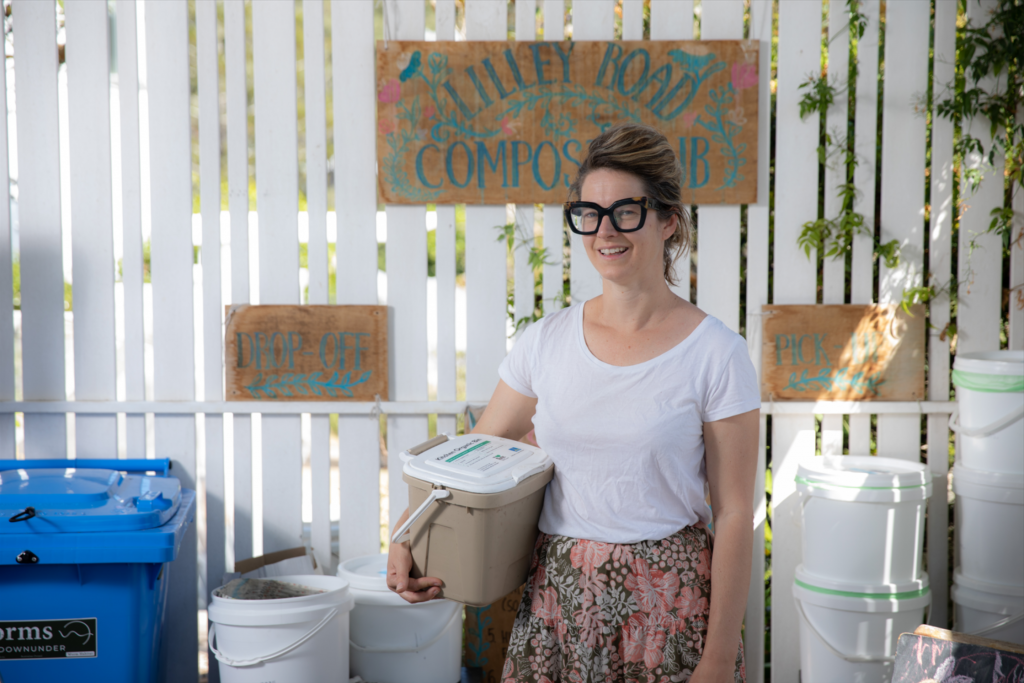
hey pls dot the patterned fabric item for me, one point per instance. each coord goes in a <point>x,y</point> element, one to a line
<point>601,612</point>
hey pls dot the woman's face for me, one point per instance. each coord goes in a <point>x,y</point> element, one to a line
<point>625,258</point>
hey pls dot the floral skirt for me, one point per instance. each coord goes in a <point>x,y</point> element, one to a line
<point>604,612</point>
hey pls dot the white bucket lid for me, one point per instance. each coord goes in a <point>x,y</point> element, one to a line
<point>368,573</point>
<point>808,588</point>
<point>1000,589</point>
<point>863,478</point>
<point>994,487</point>
<point>477,463</point>
<point>991,362</point>
<point>878,590</point>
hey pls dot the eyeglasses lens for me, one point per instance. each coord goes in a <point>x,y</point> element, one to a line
<point>586,219</point>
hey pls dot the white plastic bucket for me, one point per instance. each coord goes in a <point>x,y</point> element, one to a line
<point>990,525</point>
<point>291,639</point>
<point>990,410</point>
<point>393,641</point>
<point>988,610</point>
<point>852,635</point>
<point>863,518</point>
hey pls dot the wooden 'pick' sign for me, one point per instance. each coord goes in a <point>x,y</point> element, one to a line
<point>306,353</point>
<point>843,353</point>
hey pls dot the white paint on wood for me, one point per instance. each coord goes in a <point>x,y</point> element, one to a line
<point>39,221</point>
<point>8,435</point>
<point>632,19</point>
<point>131,222</point>
<point>485,296</point>
<point>523,242</point>
<point>444,270</point>
<point>526,19</point>
<point>553,272</point>
<point>671,19</point>
<point>166,26</point>
<point>1017,264</point>
<point>980,252</point>
<point>444,19</point>
<point>92,238</point>
<point>554,19</point>
<point>273,29</point>
<point>238,207</point>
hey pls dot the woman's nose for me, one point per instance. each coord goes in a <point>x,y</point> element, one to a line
<point>605,227</point>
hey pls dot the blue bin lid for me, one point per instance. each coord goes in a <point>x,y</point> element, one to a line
<point>69,499</point>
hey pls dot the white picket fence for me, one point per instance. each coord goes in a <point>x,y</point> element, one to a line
<point>223,448</point>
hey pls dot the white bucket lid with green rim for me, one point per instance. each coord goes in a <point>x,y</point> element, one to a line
<point>863,478</point>
<point>806,588</point>
<point>875,590</point>
<point>990,371</point>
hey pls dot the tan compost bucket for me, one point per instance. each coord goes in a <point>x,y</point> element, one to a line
<point>476,502</point>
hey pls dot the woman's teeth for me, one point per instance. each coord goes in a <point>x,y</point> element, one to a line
<point>612,250</point>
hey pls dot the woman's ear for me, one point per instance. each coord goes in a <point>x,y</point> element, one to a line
<point>670,227</point>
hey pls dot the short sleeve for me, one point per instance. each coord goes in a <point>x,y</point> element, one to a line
<point>733,387</point>
<point>517,370</point>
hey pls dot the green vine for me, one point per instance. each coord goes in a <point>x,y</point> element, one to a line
<point>538,257</point>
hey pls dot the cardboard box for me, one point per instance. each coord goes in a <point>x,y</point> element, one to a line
<point>487,632</point>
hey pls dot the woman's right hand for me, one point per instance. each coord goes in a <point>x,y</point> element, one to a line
<point>400,565</point>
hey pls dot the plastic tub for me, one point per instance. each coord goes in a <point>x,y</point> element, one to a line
<point>393,641</point>
<point>851,635</point>
<point>84,575</point>
<point>477,500</point>
<point>990,410</point>
<point>987,609</point>
<point>289,639</point>
<point>863,518</point>
<point>990,525</point>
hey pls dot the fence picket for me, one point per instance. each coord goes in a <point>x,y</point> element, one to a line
<point>554,235</point>
<point>526,29</point>
<point>355,195</point>
<point>902,200</point>
<point>865,130</point>
<point>39,220</point>
<point>941,268</point>
<point>238,208</point>
<point>273,37</point>
<point>166,26</point>
<point>632,19</point>
<point>1017,265</point>
<point>131,223</point>
<point>792,436</point>
<point>757,296</point>
<point>92,223</point>
<point>8,435</point>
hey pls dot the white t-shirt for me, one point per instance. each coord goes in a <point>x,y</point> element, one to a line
<point>627,442</point>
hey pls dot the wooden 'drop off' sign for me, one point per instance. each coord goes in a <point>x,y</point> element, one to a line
<point>306,353</point>
<point>843,353</point>
<point>498,122</point>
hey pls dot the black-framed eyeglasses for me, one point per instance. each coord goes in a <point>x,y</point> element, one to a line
<point>626,215</point>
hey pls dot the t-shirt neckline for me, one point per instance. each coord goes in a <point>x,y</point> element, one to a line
<point>587,353</point>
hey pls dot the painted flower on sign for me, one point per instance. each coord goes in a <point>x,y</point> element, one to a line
<point>744,76</point>
<point>391,92</point>
<point>386,126</point>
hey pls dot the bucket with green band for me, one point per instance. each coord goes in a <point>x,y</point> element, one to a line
<point>848,633</point>
<point>863,519</point>
<point>989,418</point>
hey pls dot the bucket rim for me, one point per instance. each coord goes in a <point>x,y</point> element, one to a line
<point>1001,589</point>
<point>872,473</point>
<point>331,594</point>
<point>991,362</point>
<point>906,595</point>
<point>988,478</point>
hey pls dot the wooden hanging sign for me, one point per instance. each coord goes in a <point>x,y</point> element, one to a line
<point>497,122</point>
<point>843,353</point>
<point>306,353</point>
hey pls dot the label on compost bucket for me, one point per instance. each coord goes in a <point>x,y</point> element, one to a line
<point>482,455</point>
<point>48,639</point>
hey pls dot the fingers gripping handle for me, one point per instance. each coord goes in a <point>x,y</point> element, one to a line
<point>436,494</point>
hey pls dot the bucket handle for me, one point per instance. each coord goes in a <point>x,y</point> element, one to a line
<point>1007,621</point>
<point>410,650</point>
<point>856,659</point>
<point>230,661</point>
<point>997,426</point>
<point>436,494</point>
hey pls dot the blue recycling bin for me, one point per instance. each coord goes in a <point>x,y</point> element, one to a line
<point>85,552</point>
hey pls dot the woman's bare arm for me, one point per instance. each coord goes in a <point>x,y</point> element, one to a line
<point>731,452</point>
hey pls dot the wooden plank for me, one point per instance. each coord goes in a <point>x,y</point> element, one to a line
<point>526,20</point>
<point>444,19</point>
<point>792,437</point>
<point>273,32</point>
<point>940,267</point>
<point>39,225</point>
<point>209,203</point>
<point>306,353</point>
<point>1017,266</point>
<point>316,207</point>
<point>596,23</point>
<point>131,223</point>
<point>718,285</point>
<point>902,201</point>
<point>92,226</point>
<point>553,271</point>
<point>862,264</point>
<point>406,258</point>
<point>8,436</point>
<point>238,208</point>
<point>173,342</point>
<point>523,292</point>
<point>554,19</point>
<point>632,19</point>
<point>980,254</point>
<point>354,188</point>
<point>673,20</point>
<point>834,268</point>
<point>444,269</point>
<point>757,296</point>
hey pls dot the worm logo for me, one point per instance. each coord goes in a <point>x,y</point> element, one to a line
<point>49,639</point>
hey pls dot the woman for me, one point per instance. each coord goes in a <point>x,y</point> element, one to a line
<point>642,400</point>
